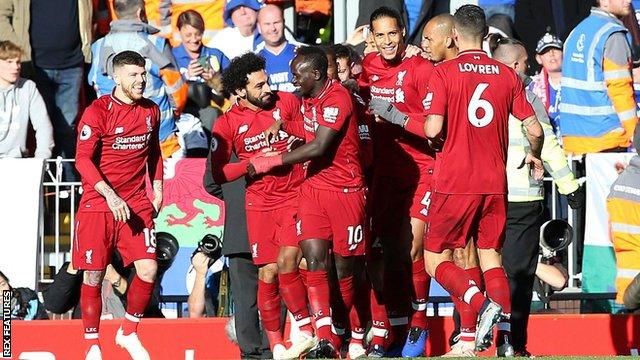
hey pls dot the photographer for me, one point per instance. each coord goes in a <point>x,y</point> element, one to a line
<point>200,300</point>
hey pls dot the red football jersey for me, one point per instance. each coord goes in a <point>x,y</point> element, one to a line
<point>475,94</point>
<point>404,85</point>
<point>115,143</point>
<point>241,131</point>
<point>340,167</point>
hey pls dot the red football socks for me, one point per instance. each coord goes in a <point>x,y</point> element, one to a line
<point>318,291</point>
<point>459,284</point>
<point>498,291</point>
<point>360,312</point>
<point>420,294</point>
<point>475,273</point>
<point>379,319</point>
<point>270,311</point>
<point>91,305</point>
<point>295,297</point>
<point>138,296</point>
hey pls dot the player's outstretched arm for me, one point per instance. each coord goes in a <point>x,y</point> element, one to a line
<point>433,130</point>
<point>308,151</point>
<point>413,123</point>
<point>117,206</point>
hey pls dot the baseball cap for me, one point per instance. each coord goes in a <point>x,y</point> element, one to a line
<point>233,4</point>
<point>548,40</point>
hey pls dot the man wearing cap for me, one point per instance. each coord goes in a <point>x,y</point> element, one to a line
<point>598,108</point>
<point>241,34</point>
<point>546,84</point>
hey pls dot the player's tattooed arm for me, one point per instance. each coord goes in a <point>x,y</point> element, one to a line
<point>157,195</point>
<point>535,135</point>
<point>117,206</point>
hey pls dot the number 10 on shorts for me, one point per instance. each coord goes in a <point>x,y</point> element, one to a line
<point>355,236</point>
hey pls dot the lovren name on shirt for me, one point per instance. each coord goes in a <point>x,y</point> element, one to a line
<point>479,68</point>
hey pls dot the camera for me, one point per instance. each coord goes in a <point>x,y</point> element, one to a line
<point>166,249</point>
<point>211,247</point>
<point>555,235</point>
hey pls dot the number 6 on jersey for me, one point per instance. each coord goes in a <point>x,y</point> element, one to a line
<point>477,103</point>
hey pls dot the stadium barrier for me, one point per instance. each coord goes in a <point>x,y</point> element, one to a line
<point>571,335</point>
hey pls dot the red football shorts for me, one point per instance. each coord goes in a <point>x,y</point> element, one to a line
<point>456,218</point>
<point>269,230</point>
<point>337,216</point>
<point>397,199</point>
<point>97,234</point>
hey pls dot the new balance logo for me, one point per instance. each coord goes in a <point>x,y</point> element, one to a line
<point>119,130</point>
<point>243,129</point>
<point>254,250</point>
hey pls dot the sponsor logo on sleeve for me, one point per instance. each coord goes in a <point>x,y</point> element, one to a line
<point>330,114</point>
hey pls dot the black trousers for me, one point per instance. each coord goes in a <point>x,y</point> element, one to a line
<point>244,288</point>
<point>520,259</point>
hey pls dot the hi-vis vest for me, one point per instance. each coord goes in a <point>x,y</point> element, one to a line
<point>522,187</point>
<point>586,111</point>
<point>623,205</point>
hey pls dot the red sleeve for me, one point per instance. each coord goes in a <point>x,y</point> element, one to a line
<point>415,125</point>
<point>334,111</point>
<point>520,108</point>
<point>89,137</point>
<point>435,100</point>
<point>293,121</point>
<point>221,148</point>
<point>422,75</point>
<point>154,161</point>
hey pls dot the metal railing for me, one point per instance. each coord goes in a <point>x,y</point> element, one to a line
<point>61,198</point>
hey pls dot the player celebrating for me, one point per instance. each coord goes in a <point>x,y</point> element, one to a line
<point>470,98</point>
<point>117,147</point>
<point>331,208</point>
<point>271,199</point>
<point>402,175</point>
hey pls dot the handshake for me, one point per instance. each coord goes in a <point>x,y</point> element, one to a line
<point>264,161</point>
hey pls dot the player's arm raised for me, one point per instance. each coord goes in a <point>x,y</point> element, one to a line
<point>89,137</point>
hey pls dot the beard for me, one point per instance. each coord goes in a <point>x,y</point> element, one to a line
<point>262,102</point>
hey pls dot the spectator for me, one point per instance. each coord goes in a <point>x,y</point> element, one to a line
<point>24,302</point>
<point>55,37</point>
<point>21,103</point>
<point>276,50</point>
<point>546,84</point>
<point>199,301</point>
<point>598,109</point>
<point>346,59</point>
<point>241,34</point>
<point>165,86</point>
<point>201,66</point>
<point>535,17</point>
<point>211,11</point>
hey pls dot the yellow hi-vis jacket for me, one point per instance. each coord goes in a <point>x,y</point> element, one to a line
<point>623,205</point>
<point>522,187</point>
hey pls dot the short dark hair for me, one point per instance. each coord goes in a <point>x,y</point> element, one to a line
<point>314,56</point>
<point>127,9</point>
<point>128,57</point>
<point>235,76</point>
<point>470,20</point>
<point>341,51</point>
<point>190,17</point>
<point>384,11</point>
